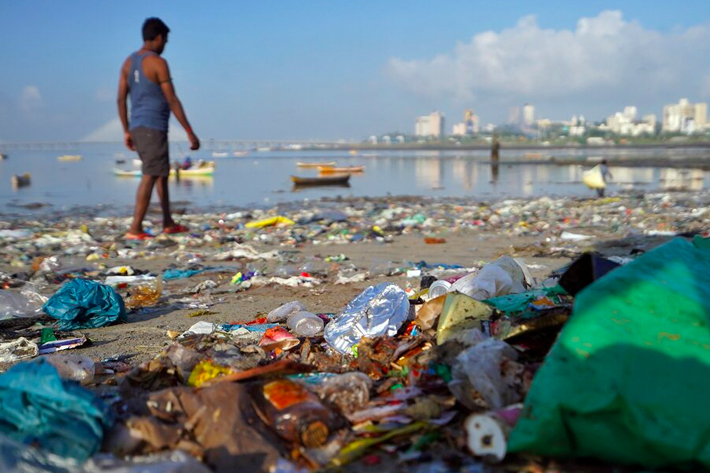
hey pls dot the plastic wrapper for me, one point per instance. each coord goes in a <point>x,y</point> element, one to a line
<point>378,310</point>
<point>501,277</point>
<point>81,303</point>
<point>18,349</point>
<point>27,303</point>
<point>349,391</point>
<point>487,376</point>
<point>77,368</point>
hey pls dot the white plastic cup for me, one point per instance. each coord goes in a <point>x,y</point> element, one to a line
<point>305,324</point>
<point>439,288</point>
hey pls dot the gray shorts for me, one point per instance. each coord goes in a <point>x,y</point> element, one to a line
<point>152,147</point>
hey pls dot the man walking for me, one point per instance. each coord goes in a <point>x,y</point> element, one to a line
<point>146,77</point>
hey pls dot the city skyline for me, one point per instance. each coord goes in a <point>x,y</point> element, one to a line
<point>309,73</point>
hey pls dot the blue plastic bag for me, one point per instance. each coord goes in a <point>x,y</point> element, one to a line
<point>81,303</point>
<point>38,408</point>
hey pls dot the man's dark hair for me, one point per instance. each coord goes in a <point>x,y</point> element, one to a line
<point>154,27</point>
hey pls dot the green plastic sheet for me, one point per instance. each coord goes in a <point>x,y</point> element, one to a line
<point>519,304</point>
<point>629,377</point>
<point>81,303</point>
<point>38,408</point>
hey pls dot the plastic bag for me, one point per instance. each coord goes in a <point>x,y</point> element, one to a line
<point>627,380</point>
<point>81,303</point>
<point>27,303</point>
<point>378,310</point>
<point>38,407</point>
<point>487,376</point>
<point>503,276</point>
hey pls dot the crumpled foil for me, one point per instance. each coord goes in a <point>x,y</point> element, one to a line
<point>378,310</point>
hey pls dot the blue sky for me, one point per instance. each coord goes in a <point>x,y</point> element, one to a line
<point>335,69</point>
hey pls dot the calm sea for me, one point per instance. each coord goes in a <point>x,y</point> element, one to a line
<point>263,178</point>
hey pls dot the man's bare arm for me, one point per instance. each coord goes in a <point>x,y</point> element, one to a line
<point>123,102</point>
<point>166,83</point>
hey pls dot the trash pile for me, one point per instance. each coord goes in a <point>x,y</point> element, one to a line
<point>478,368</point>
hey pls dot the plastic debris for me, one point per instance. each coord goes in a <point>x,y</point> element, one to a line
<point>18,349</point>
<point>38,407</point>
<point>81,303</point>
<point>378,310</point>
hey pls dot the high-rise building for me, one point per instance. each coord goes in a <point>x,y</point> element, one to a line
<point>459,129</point>
<point>528,114</point>
<point>470,119</point>
<point>430,125</point>
<point>630,112</point>
<point>701,115</point>
<point>684,117</point>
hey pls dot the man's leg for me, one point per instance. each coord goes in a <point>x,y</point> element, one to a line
<point>164,196</point>
<point>145,189</point>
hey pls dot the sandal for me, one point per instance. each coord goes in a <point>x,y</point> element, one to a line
<point>176,229</point>
<point>140,236</point>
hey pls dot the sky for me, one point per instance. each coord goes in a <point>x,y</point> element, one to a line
<point>325,69</point>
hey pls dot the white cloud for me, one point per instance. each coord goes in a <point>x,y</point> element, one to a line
<point>30,99</point>
<point>112,131</point>
<point>603,56</point>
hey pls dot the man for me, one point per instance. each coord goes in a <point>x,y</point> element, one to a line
<point>146,77</point>
<point>606,176</point>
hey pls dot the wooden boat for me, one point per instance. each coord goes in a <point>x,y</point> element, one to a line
<point>321,181</point>
<point>346,169</point>
<point>21,180</point>
<point>207,170</point>
<point>316,165</point>
<point>69,158</point>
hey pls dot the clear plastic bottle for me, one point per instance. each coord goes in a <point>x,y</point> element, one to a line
<point>305,324</point>
<point>282,313</point>
<point>296,414</point>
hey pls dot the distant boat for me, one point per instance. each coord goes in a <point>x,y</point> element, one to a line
<point>207,170</point>
<point>22,180</point>
<point>321,181</point>
<point>334,170</point>
<point>220,154</point>
<point>315,165</point>
<point>265,149</point>
<point>240,154</point>
<point>353,152</point>
<point>69,158</point>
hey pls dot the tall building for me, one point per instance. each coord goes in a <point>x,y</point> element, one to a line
<point>528,114</point>
<point>470,119</point>
<point>701,115</point>
<point>430,125</point>
<point>459,129</point>
<point>684,117</point>
<point>630,112</point>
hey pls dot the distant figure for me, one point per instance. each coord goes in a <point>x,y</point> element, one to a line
<point>606,175</point>
<point>146,77</point>
<point>495,148</point>
<point>187,163</point>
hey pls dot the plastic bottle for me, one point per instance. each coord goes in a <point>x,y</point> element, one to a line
<point>305,324</point>
<point>280,314</point>
<point>296,414</point>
